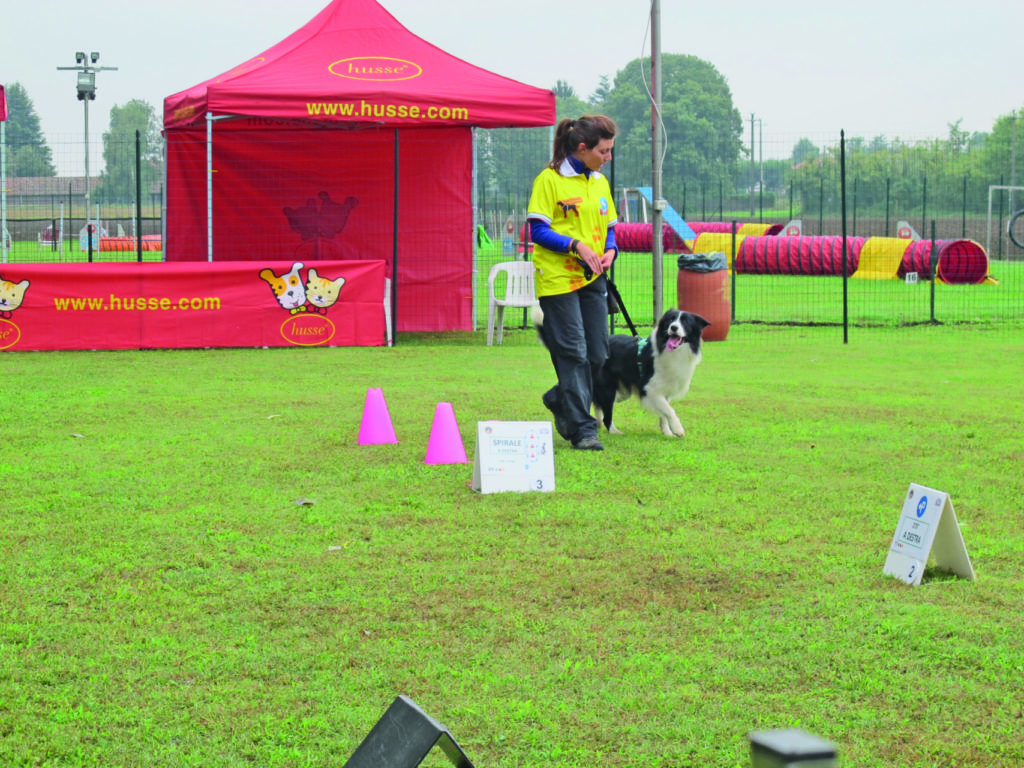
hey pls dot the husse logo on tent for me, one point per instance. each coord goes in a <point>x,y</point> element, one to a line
<point>375,68</point>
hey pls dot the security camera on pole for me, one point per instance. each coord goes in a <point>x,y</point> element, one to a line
<point>87,92</point>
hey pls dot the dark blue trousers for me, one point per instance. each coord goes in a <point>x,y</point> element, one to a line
<point>576,334</point>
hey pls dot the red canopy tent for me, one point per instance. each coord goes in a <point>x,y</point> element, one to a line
<point>349,139</point>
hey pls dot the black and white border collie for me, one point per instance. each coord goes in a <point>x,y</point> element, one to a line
<point>657,370</point>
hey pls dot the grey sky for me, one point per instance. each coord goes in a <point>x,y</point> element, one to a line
<point>805,68</point>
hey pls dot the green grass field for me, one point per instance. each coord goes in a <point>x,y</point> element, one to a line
<point>167,599</point>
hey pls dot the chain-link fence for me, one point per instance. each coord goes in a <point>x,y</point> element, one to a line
<point>943,209</point>
<point>936,190</point>
<point>49,218</point>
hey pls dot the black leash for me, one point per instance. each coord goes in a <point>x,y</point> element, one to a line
<point>614,291</point>
<point>622,307</point>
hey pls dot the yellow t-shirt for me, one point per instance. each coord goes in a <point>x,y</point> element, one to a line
<point>574,205</point>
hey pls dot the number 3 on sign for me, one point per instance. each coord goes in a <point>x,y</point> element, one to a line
<point>513,456</point>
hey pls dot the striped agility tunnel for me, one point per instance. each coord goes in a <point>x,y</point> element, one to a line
<point>149,243</point>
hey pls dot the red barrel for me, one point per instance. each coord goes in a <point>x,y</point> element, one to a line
<point>702,287</point>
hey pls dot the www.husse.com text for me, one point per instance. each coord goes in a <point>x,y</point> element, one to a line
<point>370,110</point>
<point>136,303</point>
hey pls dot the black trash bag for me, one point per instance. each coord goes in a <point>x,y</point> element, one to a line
<point>703,262</point>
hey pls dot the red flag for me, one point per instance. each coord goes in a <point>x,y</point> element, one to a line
<point>3,104</point>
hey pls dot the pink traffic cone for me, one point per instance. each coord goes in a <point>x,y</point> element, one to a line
<point>376,426</point>
<point>445,446</point>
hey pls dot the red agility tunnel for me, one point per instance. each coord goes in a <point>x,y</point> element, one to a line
<point>149,243</point>
<point>960,262</point>
<point>821,255</point>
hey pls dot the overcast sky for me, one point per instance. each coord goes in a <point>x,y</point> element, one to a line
<point>898,68</point>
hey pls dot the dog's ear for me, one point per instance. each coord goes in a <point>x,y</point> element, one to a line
<point>701,322</point>
<point>266,274</point>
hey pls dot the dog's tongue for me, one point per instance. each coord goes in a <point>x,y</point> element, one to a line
<point>672,343</point>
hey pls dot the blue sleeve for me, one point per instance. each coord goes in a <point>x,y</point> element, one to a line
<point>609,241</point>
<point>542,234</point>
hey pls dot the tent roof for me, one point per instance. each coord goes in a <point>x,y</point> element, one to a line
<point>354,63</point>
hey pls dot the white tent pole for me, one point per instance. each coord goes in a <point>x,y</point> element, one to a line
<point>209,186</point>
<point>3,188</point>
<point>163,208</point>
<point>476,223</point>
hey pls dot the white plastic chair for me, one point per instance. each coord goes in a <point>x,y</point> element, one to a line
<point>519,292</point>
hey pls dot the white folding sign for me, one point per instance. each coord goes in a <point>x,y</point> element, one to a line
<point>513,456</point>
<point>927,526</point>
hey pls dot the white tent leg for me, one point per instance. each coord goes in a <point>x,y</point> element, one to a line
<point>3,189</point>
<point>209,186</point>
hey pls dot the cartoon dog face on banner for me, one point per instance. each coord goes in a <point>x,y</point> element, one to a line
<point>287,288</point>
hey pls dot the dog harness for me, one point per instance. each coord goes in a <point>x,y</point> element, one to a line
<point>640,344</point>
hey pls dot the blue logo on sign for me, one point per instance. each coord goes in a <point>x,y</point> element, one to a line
<point>922,505</point>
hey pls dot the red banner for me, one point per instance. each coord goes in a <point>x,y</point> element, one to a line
<point>197,304</point>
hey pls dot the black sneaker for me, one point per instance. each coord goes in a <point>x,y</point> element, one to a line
<point>588,444</point>
<point>561,423</point>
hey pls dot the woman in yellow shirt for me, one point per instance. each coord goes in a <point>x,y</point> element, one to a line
<point>572,223</point>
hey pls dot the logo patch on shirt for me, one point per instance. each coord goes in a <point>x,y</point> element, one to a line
<point>604,206</point>
<point>571,204</point>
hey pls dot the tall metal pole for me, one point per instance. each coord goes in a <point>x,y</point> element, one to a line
<point>1013,158</point>
<point>753,162</point>
<point>87,208</point>
<point>656,141</point>
<point>842,205</point>
<point>86,90</point>
<point>760,149</point>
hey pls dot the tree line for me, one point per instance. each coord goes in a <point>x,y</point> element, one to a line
<point>943,175</point>
<point>28,154</point>
<point>705,161</point>
<point>707,166</point>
